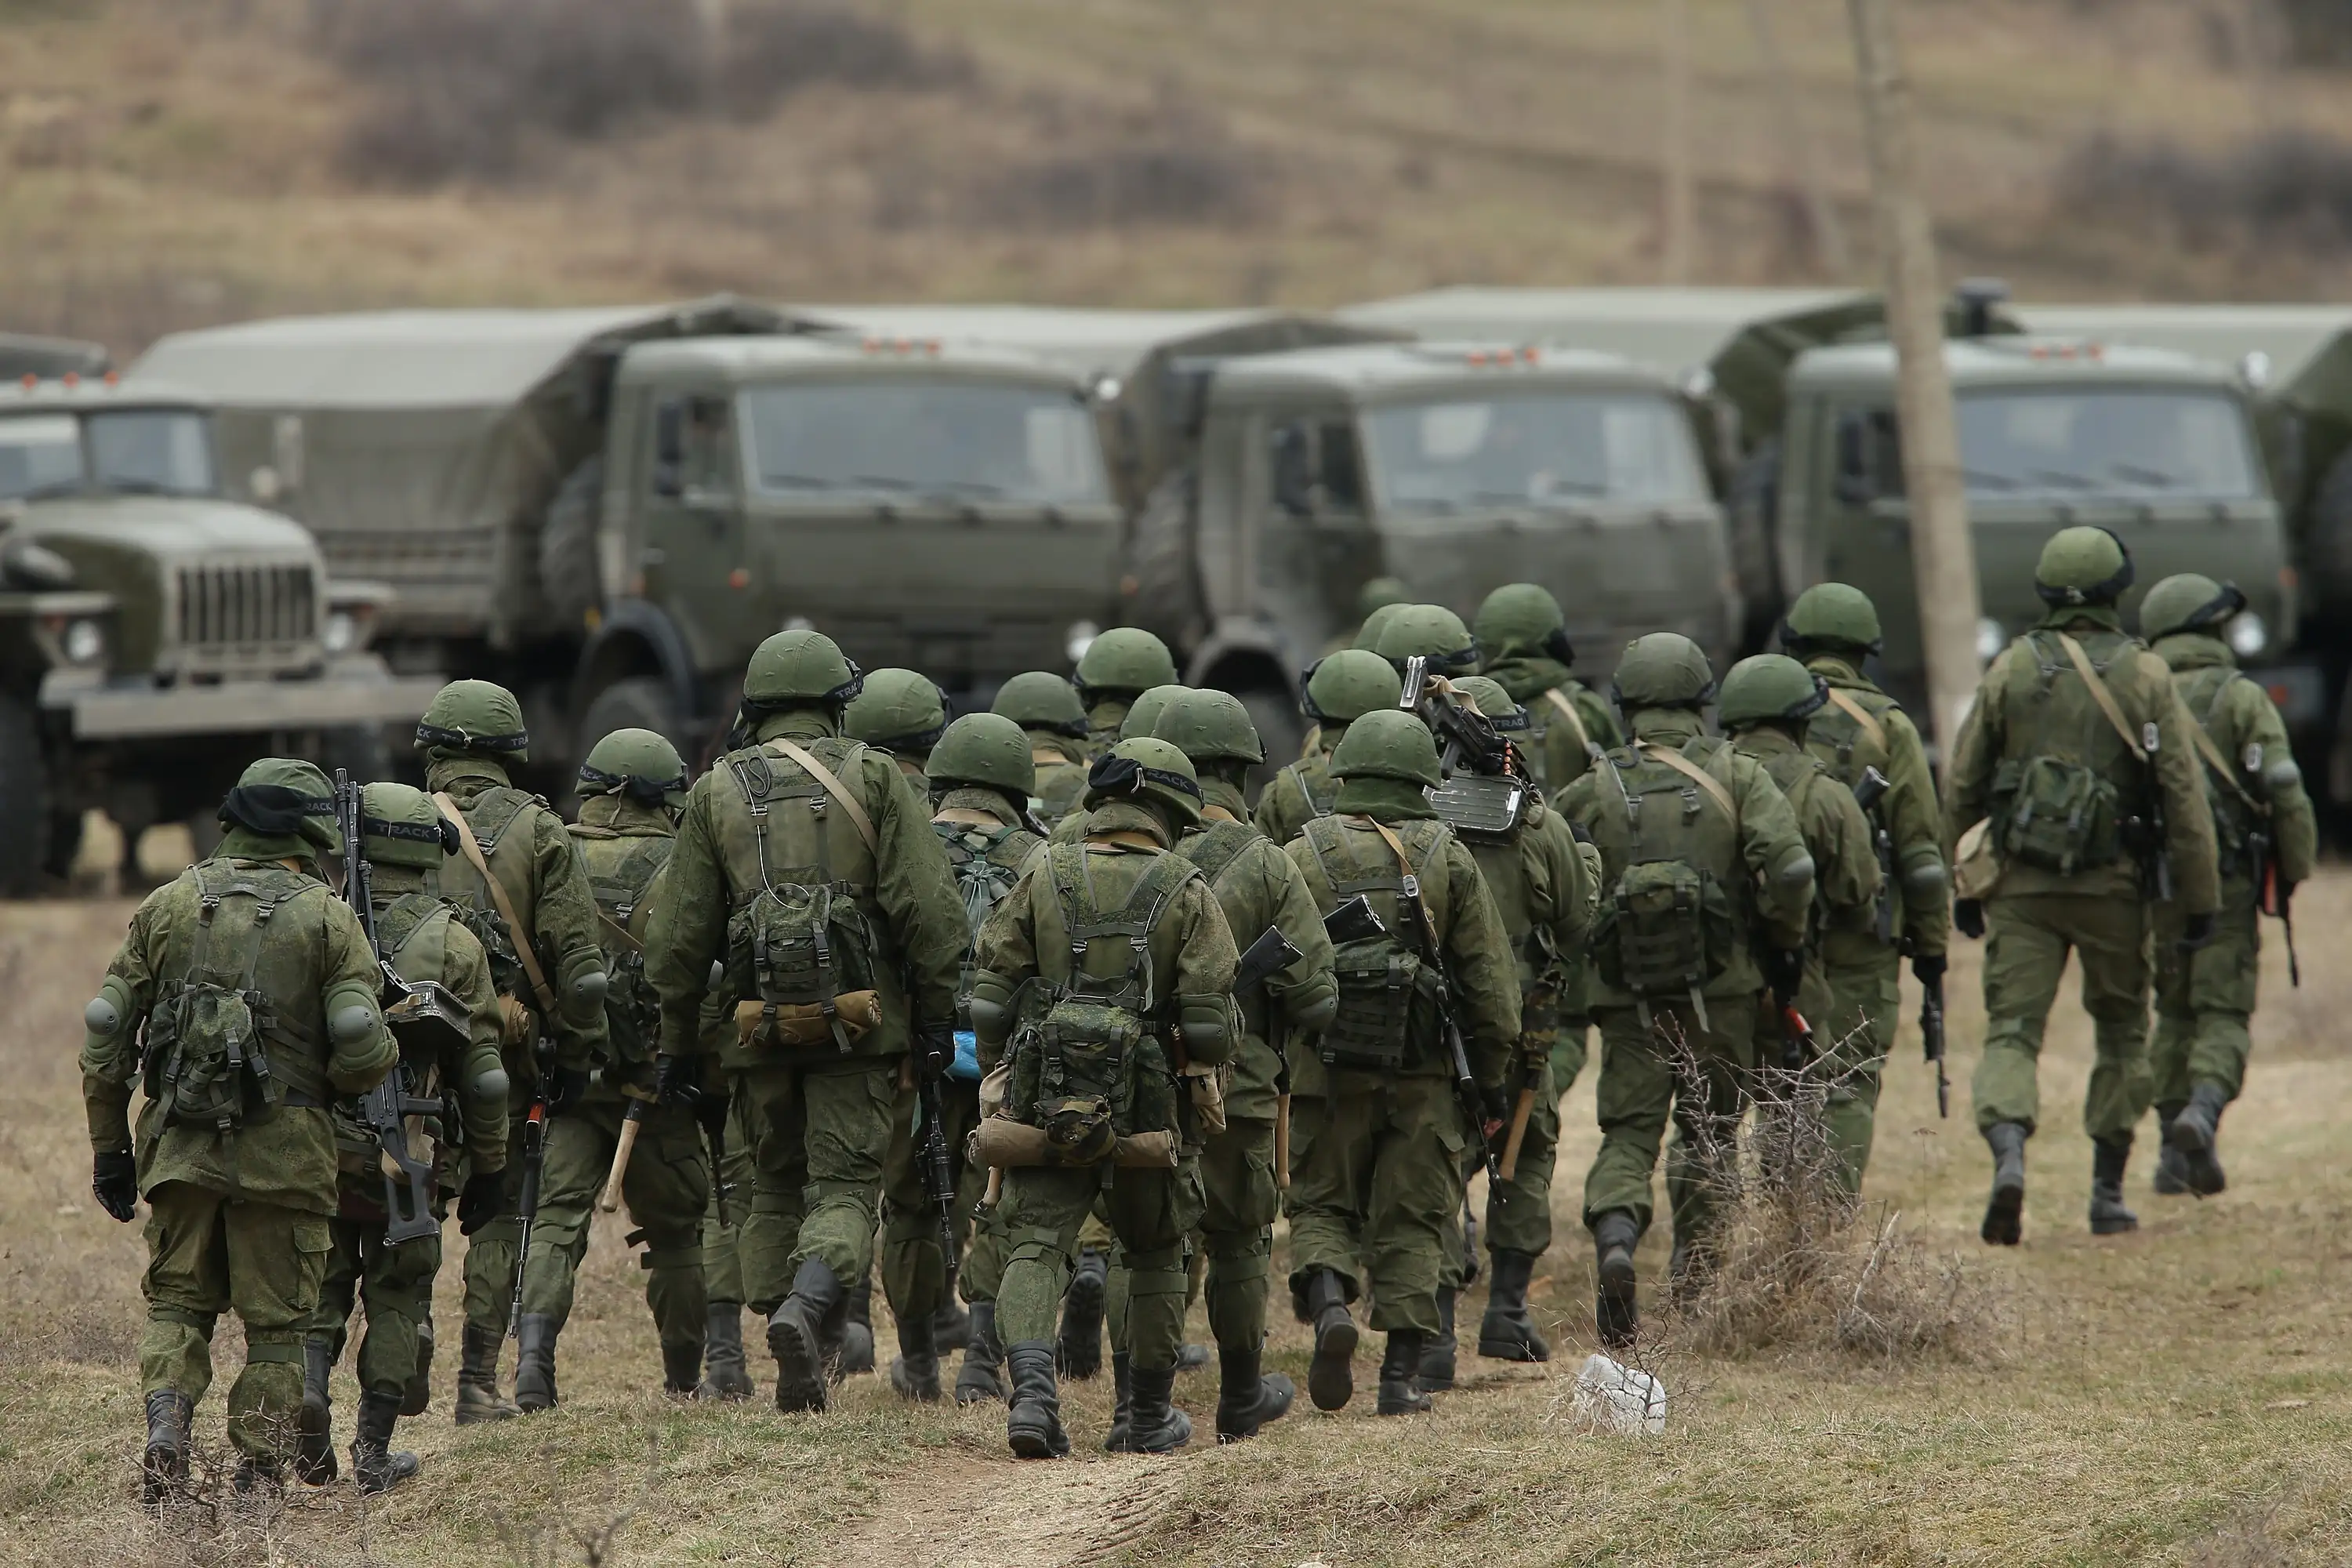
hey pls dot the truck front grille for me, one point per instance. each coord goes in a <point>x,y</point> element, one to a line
<point>246,605</point>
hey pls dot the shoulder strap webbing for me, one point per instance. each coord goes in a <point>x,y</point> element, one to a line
<point>2102,696</point>
<point>521,937</point>
<point>836,788</point>
<point>1216,849</point>
<point>1862,716</point>
<point>1692,771</point>
<point>2202,738</point>
<point>1405,870</point>
<point>1575,722</point>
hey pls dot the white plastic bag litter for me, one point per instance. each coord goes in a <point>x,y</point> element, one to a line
<point>1616,1398</point>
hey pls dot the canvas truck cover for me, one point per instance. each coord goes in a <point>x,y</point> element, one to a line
<point>1144,365</point>
<point>23,354</point>
<point>422,446</point>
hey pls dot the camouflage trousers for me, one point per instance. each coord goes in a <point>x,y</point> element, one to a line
<point>914,1274</point>
<point>1641,1090</point>
<point>207,1254</point>
<point>394,1283</point>
<point>2027,939</point>
<point>1850,997</point>
<point>666,1190</point>
<point>1239,1204</point>
<point>2205,999</point>
<point>1150,1213</point>
<point>723,1221</point>
<point>819,1139</point>
<point>1375,1178</point>
<point>1518,1210</point>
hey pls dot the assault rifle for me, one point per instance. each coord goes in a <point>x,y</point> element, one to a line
<point>1931,1035</point>
<point>423,1018</point>
<point>939,1171</point>
<point>1868,790</point>
<point>1465,1085</point>
<point>2275,897</point>
<point>534,1166</point>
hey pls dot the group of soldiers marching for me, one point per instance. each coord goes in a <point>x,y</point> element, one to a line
<point>1033,1011</point>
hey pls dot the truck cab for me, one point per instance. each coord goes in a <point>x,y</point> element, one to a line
<point>155,638</point>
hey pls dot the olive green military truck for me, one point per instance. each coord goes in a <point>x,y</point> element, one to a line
<point>154,636</point>
<point>607,510</point>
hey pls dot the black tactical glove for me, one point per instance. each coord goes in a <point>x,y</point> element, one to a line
<point>566,1087</point>
<point>484,1200</point>
<point>1967,918</point>
<point>1495,1105</point>
<point>934,1049</point>
<point>677,1080</point>
<point>1784,971</point>
<point>710,1110</point>
<point>114,1177</point>
<point>2199,933</point>
<point>1927,968</point>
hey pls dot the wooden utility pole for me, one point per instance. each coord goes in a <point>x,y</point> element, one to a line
<point>1943,553</point>
<point>1821,214</point>
<point>1680,258</point>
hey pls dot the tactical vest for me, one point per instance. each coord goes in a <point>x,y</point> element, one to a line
<point>1096,1065</point>
<point>1848,736</point>
<point>1320,790</point>
<point>986,863</point>
<point>1214,848</point>
<point>2238,817</point>
<point>2056,808</point>
<point>1389,990</point>
<point>496,813</point>
<point>1669,925</point>
<point>1503,865</point>
<point>1795,772</point>
<point>219,1050</point>
<point>411,932</point>
<point>621,871</point>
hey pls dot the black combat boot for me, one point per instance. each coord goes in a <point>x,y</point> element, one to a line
<point>2004,1215</point>
<point>1330,1376</point>
<point>1616,1311</point>
<point>2108,1158</point>
<point>1436,1374</point>
<point>950,1326</point>
<point>1248,1398</point>
<point>796,1335</point>
<point>1192,1357</point>
<point>2195,1134</point>
<point>1508,1332</point>
<point>1122,1409</point>
<point>981,1376</point>
<point>535,1363</point>
<point>257,1474</point>
<point>314,1428</point>
<point>1033,1426</point>
<point>2171,1177</point>
<point>418,1397</point>
<point>164,1470</point>
<point>681,1368</point>
<point>1155,1424</point>
<point>376,1465</point>
<point>1401,1392</point>
<point>1082,1316</point>
<point>855,1334</point>
<point>724,1374</point>
<point>915,1370</point>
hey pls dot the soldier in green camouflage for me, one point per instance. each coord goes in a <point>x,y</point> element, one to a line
<point>903,712</point>
<point>1118,666</point>
<point>403,839</point>
<point>631,788</point>
<point>1342,688</point>
<point>520,885</point>
<point>1381,1137</point>
<point>805,864</point>
<point>1832,628</point>
<point>1141,716</point>
<point>981,776</point>
<point>1131,963</point>
<point>1047,709</point>
<point>2078,758</point>
<point>1430,632</point>
<point>1703,869</point>
<point>2267,840</point>
<point>1259,890</point>
<point>1765,704</point>
<point>253,992</point>
<point>725,1374</point>
<point>1523,638</point>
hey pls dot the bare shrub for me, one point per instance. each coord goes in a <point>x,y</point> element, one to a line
<point>2288,188</point>
<point>1175,165</point>
<point>774,50</point>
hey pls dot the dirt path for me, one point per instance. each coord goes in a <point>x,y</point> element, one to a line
<point>971,1513</point>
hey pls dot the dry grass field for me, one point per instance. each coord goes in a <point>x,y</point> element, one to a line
<point>2183,1396</point>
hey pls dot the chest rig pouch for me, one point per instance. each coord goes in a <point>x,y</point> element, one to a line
<point>1094,1066</point>
<point>801,953</point>
<point>219,1050</point>
<point>1387,991</point>
<point>2057,812</point>
<point>620,872</point>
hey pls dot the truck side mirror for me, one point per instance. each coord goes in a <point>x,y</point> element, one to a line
<point>670,448</point>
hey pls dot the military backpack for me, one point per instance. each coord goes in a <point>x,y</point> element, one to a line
<point>623,868</point>
<point>1390,993</point>
<point>1668,928</point>
<point>2056,810</point>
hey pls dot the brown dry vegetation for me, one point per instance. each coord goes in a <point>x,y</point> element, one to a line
<point>2183,1396</point>
<point>176,162</point>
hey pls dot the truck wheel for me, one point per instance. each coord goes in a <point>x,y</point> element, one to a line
<point>1752,513</point>
<point>25,801</point>
<point>359,751</point>
<point>567,543</point>
<point>639,702</point>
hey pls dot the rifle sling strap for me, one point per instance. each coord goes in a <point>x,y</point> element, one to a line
<point>1692,771</point>
<point>834,787</point>
<point>2202,738</point>
<point>2102,696</point>
<point>1860,715</point>
<point>522,943</point>
<point>1575,722</point>
<point>1404,869</point>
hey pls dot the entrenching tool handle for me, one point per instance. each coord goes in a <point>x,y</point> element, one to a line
<point>1282,1140</point>
<point>1520,1110</point>
<point>609,1200</point>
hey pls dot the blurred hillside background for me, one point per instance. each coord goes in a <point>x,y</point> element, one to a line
<point>172,162</point>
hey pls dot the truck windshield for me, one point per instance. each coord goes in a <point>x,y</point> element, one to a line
<point>164,451</point>
<point>1544,448</point>
<point>963,441</point>
<point>2183,443</point>
<point>40,454</point>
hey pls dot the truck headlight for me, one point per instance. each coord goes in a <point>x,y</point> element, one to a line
<point>1990,640</point>
<point>2248,633</point>
<point>83,643</point>
<point>341,632</point>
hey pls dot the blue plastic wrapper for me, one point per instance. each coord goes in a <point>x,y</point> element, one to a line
<point>967,1056</point>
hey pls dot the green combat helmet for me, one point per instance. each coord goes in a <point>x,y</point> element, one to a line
<point>900,710</point>
<point>1343,687</point>
<point>1493,704</point>
<point>1379,594</point>
<point>284,797</point>
<point>401,827</point>
<point>1143,715</point>
<point>638,764</point>
<point>1040,699</point>
<point>1832,616</point>
<point>988,750</point>
<point>1211,727</point>
<point>2188,603</point>
<point>1149,769</point>
<point>1767,687</point>
<point>1122,662</point>
<point>2083,565</point>
<point>1391,744</point>
<point>1367,635</point>
<point>800,669</point>
<point>475,716</point>
<point>1429,631</point>
<point>1664,669</point>
<point>1521,618</point>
